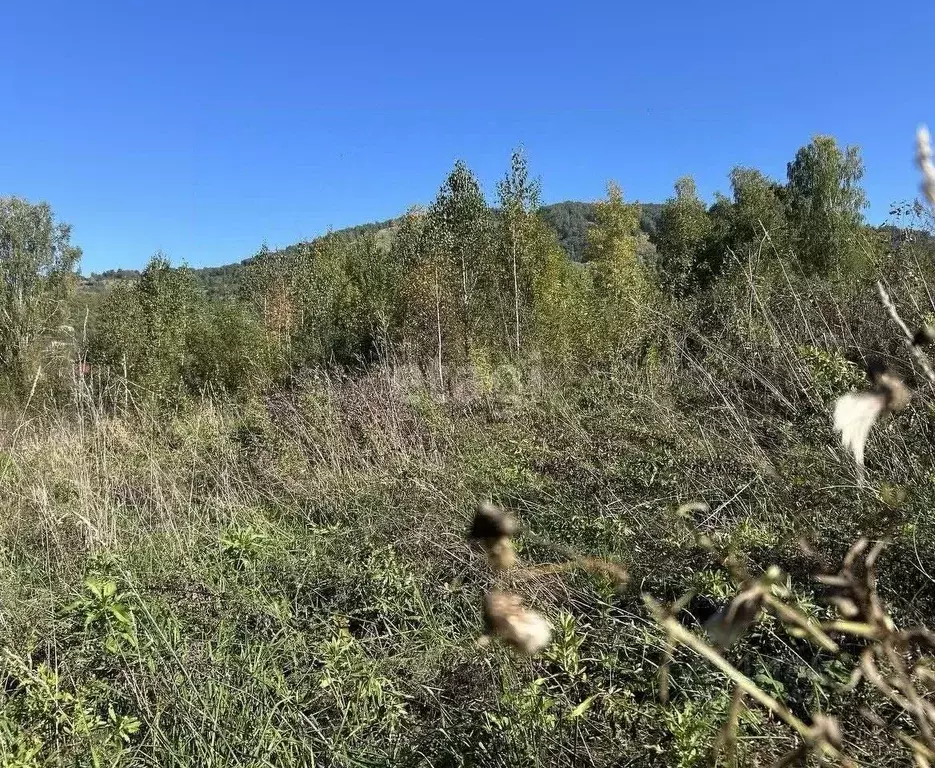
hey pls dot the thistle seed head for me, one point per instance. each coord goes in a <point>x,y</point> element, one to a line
<point>491,522</point>
<point>506,618</point>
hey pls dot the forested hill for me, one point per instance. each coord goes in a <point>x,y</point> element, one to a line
<point>570,220</point>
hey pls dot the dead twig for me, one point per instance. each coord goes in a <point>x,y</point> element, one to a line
<point>908,336</point>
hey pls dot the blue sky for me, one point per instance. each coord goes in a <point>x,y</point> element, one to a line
<point>204,129</point>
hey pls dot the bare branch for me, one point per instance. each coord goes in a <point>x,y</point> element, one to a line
<point>917,354</point>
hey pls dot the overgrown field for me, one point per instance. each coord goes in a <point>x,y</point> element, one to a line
<point>286,581</point>
<point>235,522</point>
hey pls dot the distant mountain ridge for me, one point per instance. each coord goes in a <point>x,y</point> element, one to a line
<point>570,219</point>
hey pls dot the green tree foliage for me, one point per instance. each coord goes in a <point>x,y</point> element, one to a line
<point>37,274</point>
<point>558,297</point>
<point>168,338</point>
<point>227,351</point>
<point>518,197</point>
<point>169,303</point>
<point>272,281</point>
<point>465,284</point>
<point>825,204</point>
<point>366,303</point>
<point>686,262</point>
<point>421,292</point>
<point>755,208</point>
<point>119,338</point>
<point>458,233</point>
<point>571,221</point>
<point>144,327</point>
<point>334,300</point>
<point>433,297</point>
<point>622,286</point>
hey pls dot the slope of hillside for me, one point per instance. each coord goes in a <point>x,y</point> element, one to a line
<point>570,220</point>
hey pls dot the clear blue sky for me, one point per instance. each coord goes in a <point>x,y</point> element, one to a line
<point>205,128</point>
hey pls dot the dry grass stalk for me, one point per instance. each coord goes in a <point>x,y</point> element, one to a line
<point>500,553</point>
<point>913,341</point>
<point>890,648</point>
<point>504,615</point>
<point>756,594</point>
<point>726,743</point>
<point>493,527</point>
<point>817,736</point>
<point>887,663</point>
<point>615,573</point>
<point>733,620</point>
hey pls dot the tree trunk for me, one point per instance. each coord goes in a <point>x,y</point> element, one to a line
<point>515,288</point>
<point>438,325</point>
<point>466,322</point>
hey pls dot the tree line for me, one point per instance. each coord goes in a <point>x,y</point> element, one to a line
<point>462,282</point>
